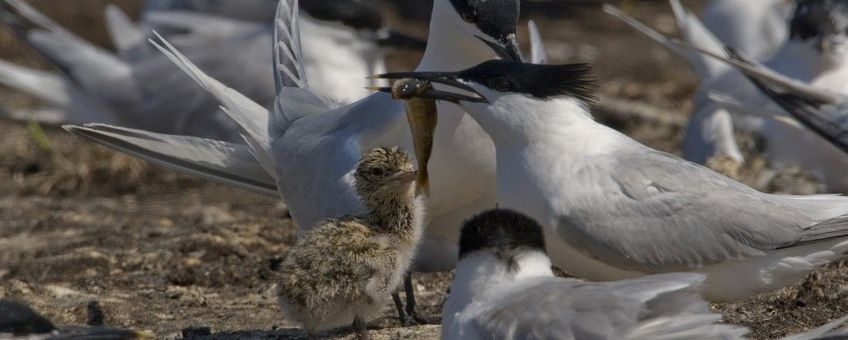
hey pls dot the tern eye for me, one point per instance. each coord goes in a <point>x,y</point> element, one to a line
<point>377,172</point>
<point>501,84</point>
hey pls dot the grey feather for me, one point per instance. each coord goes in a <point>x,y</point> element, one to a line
<point>644,308</point>
<point>222,162</point>
<point>653,210</point>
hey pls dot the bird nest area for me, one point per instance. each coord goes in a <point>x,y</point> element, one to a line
<point>183,258</point>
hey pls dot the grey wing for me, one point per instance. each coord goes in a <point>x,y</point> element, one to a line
<point>226,163</point>
<point>294,98</point>
<point>662,214</point>
<point>646,308</point>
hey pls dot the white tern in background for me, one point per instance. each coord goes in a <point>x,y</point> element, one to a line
<point>757,28</point>
<point>137,87</point>
<point>814,54</point>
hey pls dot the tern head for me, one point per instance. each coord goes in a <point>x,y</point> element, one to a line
<point>361,15</point>
<point>384,173</point>
<point>495,81</point>
<point>823,23</point>
<point>492,21</point>
<point>501,232</point>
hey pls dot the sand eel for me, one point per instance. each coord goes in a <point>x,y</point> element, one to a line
<point>345,269</point>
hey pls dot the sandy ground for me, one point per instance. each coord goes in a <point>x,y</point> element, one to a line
<point>182,258</point>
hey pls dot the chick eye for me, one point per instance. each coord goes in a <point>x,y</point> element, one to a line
<point>501,84</point>
<point>377,172</point>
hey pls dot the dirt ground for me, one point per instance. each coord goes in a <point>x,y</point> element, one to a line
<point>183,258</point>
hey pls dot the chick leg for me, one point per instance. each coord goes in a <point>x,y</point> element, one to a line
<point>411,305</point>
<point>360,328</point>
<point>404,319</point>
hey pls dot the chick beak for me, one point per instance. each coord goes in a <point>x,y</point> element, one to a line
<point>404,176</point>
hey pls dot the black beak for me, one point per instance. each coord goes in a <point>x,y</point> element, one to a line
<point>420,85</point>
<point>506,49</point>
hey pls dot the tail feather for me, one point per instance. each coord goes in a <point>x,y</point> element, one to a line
<point>252,117</point>
<point>222,162</point>
<point>43,85</point>
<point>126,36</point>
<point>793,268</point>
<point>696,326</point>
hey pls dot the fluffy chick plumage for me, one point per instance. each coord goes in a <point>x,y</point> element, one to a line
<point>348,267</point>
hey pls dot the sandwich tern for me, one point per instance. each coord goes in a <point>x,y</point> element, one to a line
<point>814,54</point>
<point>310,146</point>
<point>614,208</point>
<point>344,269</point>
<point>504,289</point>
<point>348,41</point>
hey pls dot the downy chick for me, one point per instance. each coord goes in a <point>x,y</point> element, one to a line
<point>345,269</point>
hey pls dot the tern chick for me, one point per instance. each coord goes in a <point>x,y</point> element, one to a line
<point>345,269</point>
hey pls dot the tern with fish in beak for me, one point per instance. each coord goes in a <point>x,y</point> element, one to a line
<point>613,208</point>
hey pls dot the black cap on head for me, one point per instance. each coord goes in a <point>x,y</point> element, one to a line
<point>540,81</point>
<point>497,18</point>
<point>500,229</point>
<point>361,15</point>
<point>818,18</point>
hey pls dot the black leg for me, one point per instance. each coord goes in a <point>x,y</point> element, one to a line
<point>411,304</point>
<point>405,321</point>
<point>359,328</point>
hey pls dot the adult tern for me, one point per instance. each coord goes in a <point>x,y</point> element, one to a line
<point>614,208</point>
<point>348,42</point>
<point>504,289</point>
<point>814,54</point>
<point>310,147</point>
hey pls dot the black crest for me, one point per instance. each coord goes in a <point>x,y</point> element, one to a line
<point>497,18</point>
<point>540,81</point>
<point>818,18</point>
<point>361,15</point>
<point>500,229</point>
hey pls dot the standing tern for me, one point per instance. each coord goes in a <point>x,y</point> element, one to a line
<point>614,208</point>
<point>310,147</point>
<point>814,54</point>
<point>127,88</point>
<point>345,269</point>
<point>504,289</point>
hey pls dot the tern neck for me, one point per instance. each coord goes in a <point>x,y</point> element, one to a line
<point>479,273</point>
<point>451,46</point>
